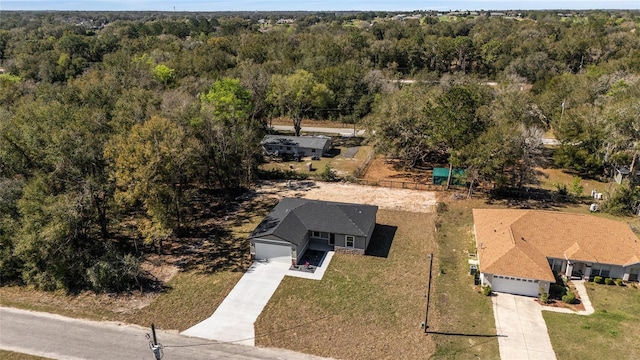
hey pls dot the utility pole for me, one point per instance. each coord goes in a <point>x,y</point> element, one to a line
<point>153,344</point>
<point>426,316</point>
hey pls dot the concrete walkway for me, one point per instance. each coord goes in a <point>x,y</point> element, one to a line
<point>521,328</point>
<point>233,320</point>
<point>584,298</point>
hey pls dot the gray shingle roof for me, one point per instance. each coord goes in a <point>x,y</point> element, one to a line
<point>311,142</point>
<point>293,217</point>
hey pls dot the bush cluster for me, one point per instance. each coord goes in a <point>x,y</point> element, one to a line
<point>557,290</point>
<point>486,290</point>
<point>598,280</point>
<point>569,298</point>
<point>608,281</point>
<point>544,297</point>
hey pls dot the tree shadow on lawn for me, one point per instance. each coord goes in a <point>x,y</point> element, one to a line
<point>205,245</point>
<point>381,240</point>
<point>219,251</point>
<point>531,198</point>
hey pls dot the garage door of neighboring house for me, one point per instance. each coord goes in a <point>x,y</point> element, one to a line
<point>273,252</point>
<point>515,285</point>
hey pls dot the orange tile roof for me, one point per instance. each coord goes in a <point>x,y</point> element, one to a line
<point>518,242</point>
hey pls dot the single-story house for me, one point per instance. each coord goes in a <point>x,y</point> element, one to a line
<point>295,225</point>
<point>518,250</point>
<point>299,146</point>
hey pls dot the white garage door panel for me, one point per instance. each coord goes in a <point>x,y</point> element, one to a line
<point>273,252</point>
<point>512,286</point>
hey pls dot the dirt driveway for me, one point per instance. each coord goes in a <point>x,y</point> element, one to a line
<point>385,198</point>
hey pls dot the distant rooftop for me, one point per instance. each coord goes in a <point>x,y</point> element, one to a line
<point>311,142</point>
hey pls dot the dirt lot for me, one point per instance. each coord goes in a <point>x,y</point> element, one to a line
<point>381,168</point>
<point>385,198</point>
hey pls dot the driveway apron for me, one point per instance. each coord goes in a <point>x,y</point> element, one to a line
<point>234,319</point>
<point>521,328</point>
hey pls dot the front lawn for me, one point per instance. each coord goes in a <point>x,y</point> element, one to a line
<point>189,298</point>
<point>612,332</point>
<point>366,307</point>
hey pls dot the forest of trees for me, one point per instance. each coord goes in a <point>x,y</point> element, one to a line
<point>113,116</point>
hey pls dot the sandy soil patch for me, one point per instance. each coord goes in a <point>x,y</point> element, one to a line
<point>385,198</point>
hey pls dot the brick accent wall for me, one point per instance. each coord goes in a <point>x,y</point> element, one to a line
<point>349,250</point>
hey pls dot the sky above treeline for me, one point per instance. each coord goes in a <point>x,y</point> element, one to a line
<point>314,5</point>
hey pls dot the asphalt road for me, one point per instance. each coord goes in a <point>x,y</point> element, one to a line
<point>321,130</point>
<point>361,132</point>
<point>59,337</point>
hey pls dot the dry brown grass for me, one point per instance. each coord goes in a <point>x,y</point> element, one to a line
<point>381,168</point>
<point>550,177</point>
<point>343,166</point>
<point>366,307</point>
<point>465,316</point>
<point>188,299</point>
<point>86,305</point>
<point>10,355</point>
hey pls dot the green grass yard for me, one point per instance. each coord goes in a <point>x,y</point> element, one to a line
<point>612,332</point>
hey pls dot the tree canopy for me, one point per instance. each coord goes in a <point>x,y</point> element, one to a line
<point>112,123</point>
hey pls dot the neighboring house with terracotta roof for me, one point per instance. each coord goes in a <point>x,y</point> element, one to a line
<point>518,250</point>
<point>296,225</point>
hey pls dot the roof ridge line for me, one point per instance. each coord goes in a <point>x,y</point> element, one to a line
<point>339,206</point>
<point>513,239</point>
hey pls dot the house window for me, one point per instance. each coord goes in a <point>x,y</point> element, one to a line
<point>349,241</point>
<point>313,150</point>
<point>320,235</point>
<point>288,147</point>
<point>600,270</point>
<point>633,274</point>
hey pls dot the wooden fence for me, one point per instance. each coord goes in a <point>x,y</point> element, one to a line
<point>402,184</point>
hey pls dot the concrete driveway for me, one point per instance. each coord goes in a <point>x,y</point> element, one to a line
<point>233,320</point>
<point>523,331</point>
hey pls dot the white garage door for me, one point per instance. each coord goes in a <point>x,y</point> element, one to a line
<point>273,252</point>
<point>515,285</point>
